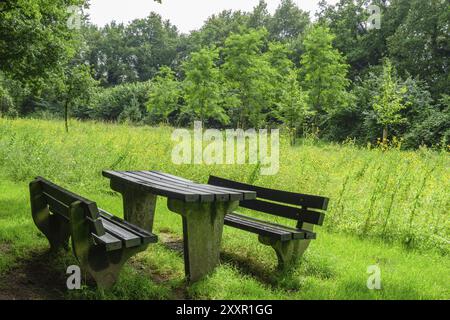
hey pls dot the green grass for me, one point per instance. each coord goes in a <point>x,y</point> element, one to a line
<point>388,208</point>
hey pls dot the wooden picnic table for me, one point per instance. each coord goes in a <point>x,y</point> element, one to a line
<point>203,208</point>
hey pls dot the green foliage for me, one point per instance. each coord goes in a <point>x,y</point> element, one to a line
<point>120,102</point>
<point>202,86</point>
<point>293,108</point>
<point>420,45</point>
<point>7,105</point>
<point>347,20</point>
<point>325,72</point>
<point>35,38</point>
<point>288,22</point>
<point>247,80</point>
<point>248,75</point>
<point>77,88</point>
<point>389,102</point>
<point>164,95</point>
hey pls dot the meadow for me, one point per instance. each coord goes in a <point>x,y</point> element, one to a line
<point>388,208</point>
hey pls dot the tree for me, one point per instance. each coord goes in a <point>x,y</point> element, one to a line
<point>202,86</point>
<point>420,45</point>
<point>389,102</point>
<point>259,17</point>
<point>151,43</point>
<point>135,52</point>
<point>77,88</point>
<point>293,107</point>
<point>288,22</point>
<point>248,77</point>
<point>347,20</point>
<point>165,93</point>
<point>35,38</point>
<point>324,72</point>
<point>7,106</point>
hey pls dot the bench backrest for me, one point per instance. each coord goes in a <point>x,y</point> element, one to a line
<point>284,204</point>
<point>59,201</point>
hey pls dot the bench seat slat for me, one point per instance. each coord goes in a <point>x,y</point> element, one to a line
<point>146,237</point>
<point>128,239</point>
<point>111,243</point>
<point>272,230</point>
<point>296,233</point>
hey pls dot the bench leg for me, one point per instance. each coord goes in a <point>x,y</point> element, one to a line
<point>138,207</point>
<point>103,266</point>
<point>288,252</point>
<point>202,233</point>
<point>54,227</point>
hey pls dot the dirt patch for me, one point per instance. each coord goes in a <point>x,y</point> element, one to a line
<point>34,278</point>
<point>5,248</point>
<point>171,242</point>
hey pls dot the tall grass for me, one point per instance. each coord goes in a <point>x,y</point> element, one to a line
<point>400,196</point>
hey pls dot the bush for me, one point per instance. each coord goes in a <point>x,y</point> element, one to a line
<point>123,102</point>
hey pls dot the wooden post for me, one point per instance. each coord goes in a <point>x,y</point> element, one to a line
<point>202,233</point>
<point>138,206</point>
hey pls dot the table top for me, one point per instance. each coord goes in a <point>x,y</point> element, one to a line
<point>174,187</point>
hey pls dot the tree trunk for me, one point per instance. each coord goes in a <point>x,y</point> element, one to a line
<point>66,115</point>
<point>385,134</point>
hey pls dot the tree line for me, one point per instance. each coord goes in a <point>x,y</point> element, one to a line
<point>333,77</point>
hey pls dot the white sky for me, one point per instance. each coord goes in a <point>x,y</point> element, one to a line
<point>187,15</point>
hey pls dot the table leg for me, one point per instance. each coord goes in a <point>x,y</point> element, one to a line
<point>138,206</point>
<point>202,233</point>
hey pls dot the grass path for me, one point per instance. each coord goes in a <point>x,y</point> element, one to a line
<point>334,267</point>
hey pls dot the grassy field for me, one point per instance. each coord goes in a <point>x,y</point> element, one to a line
<point>389,208</point>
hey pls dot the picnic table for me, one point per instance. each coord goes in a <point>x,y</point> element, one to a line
<point>203,208</point>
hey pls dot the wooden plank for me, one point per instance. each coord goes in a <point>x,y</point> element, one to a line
<point>56,207</point>
<point>220,194</point>
<point>235,194</point>
<point>288,212</point>
<point>67,197</point>
<point>296,233</point>
<point>151,188</point>
<point>110,242</point>
<point>128,239</point>
<point>205,196</point>
<point>272,208</point>
<point>308,201</point>
<point>253,227</point>
<point>146,237</point>
<point>63,195</point>
<point>167,175</point>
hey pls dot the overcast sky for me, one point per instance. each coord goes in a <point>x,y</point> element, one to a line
<point>187,15</point>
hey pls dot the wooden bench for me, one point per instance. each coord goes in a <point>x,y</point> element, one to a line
<point>289,243</point>
<point>101,242</point>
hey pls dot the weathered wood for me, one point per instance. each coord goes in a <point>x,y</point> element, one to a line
<point>308,201</point>
<point>177,188</point>
<point>102,244</point>
<point>289,243</point>
<point>265,228</point>
<point>147,187</point>
<point>104,266</point>
<point>202,233</point>
<point>138,206</point>
<point>202,207</point>
<point>146,237</point>
<point>220,193</point>
<point>54,227</point>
